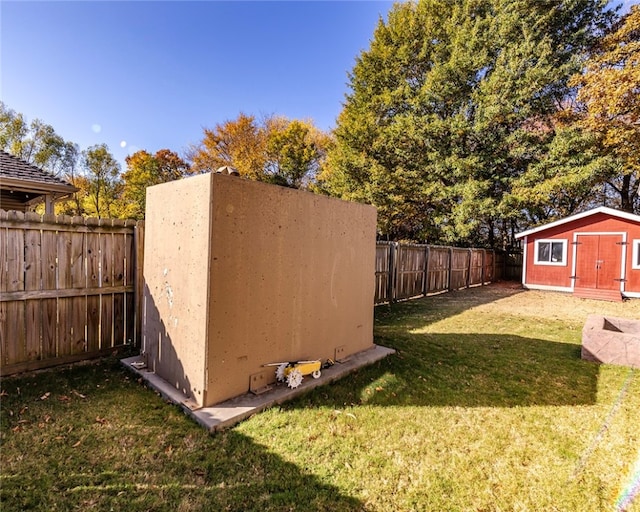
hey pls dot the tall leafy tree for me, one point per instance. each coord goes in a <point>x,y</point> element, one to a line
<point>239,143</point>
<point>273,149</point>
<point>610,96</point>
<point>295,153</point>
<point>14,130</point>
<point>39,144</point>
<point>103,184</point>
<point>144,170</point>
<point>449,106</point>
<point>35,142</point>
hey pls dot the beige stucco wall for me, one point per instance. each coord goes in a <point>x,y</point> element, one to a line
<point>176,269</point>
<point>285,275</point>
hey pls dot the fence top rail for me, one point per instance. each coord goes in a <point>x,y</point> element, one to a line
<point>33,220</point>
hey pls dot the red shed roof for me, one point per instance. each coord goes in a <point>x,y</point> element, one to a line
<point>600,209</point>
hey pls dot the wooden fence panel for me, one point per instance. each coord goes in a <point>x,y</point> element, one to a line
<point>405,271</point>
<point>508,265</point>
<point>68,288</point>
<point>459,272</point>
<point>490,267</point>
<point>383,272</point>
<point>476,267</point>
<point>410,271</point>
<point>439,267</point>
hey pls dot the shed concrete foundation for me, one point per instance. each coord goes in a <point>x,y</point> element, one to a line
<point>230,412</point>
<point>611,340</point>
<point>239,274</point>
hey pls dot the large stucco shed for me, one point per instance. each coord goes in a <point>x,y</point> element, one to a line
<point>240,274</point>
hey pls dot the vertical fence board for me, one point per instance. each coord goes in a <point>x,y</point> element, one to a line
<point>129,259</point>
<point>15,325</point>
<point>92,248</point>
<point>64,333</point>
<point>49,248</point>
<point>3,333</point>
<point>15,260</point>
<point>64,260</point>
<point>3,255</point>
<point>78,325</point>
<point>106,260</point>
<point>78,261</point>
<point>33,324</point>
<point>138,258</point>
<point>49,320</point>
<point>118,320</point>
<point>32,260</point>
<point>130,318</point>
<point>118,251</point>
<point>93,323</point>
<point>32,282</point>
<point>106,321</point>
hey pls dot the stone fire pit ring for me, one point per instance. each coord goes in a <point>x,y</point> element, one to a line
<point>611,340</point>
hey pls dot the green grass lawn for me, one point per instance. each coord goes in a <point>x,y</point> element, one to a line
<point>487,406</point>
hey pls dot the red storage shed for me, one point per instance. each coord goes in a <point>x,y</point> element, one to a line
<point>594,254</point>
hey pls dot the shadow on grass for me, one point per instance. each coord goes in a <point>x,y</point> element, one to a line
<point>467,370</point>
<point>100,441</point>
<point>419,312</point>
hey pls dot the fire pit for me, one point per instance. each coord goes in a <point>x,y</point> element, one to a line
<point>611,340</point>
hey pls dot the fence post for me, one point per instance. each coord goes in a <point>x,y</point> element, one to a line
<point>425,283</point>
<point>484,263</point>
<point>391,281</point>
<point>450,269</point>
<point>138,244</point>
<point>470,253</point>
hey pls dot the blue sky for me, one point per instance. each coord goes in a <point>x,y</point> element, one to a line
<point>150,75</point>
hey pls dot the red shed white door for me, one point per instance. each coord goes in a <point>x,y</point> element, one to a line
<point>599,266</point>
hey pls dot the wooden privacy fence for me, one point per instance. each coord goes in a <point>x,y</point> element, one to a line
<point>404,271</point>
<point>68,288</point>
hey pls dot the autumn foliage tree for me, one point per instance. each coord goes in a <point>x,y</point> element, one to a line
<point>273,149</point>
<point>610,94</point>
<point>144,170</point>
<point>101,173</point>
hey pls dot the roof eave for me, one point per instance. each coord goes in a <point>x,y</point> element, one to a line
<point>577,216</point>
<point>21,185</point>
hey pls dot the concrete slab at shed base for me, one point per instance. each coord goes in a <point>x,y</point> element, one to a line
<point>228,413</point>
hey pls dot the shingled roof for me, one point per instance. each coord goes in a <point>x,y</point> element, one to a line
<point>24,184</point>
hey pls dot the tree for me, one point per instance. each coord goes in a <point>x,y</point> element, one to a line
<point>36,143</point>
<point>239,143</point>
<point>295,152</point>
<point>13,130</point>
<point>39,144</point>
<point>144,170</point>
<point>449,106</point>
<point>102,174</point>
<point>610,94</point>
<point>274,149</point>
